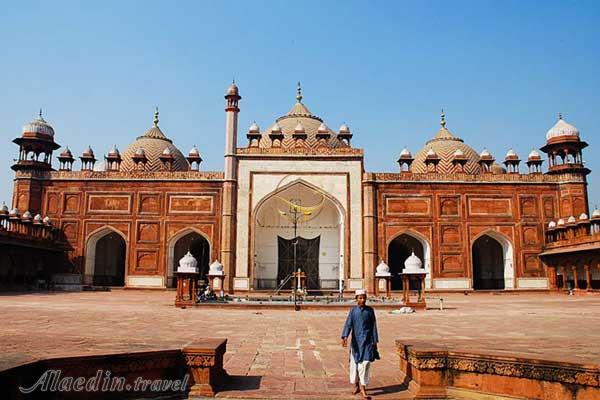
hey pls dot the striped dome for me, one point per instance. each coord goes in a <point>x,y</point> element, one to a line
<point>154,142</point>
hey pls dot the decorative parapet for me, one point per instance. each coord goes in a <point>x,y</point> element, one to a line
<point>123,175</point>
<point>301,151</point>
<point>436,371</point>
<point>385,177</point>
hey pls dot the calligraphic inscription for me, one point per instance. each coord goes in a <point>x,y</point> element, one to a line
<point>109,203</point>
<point>190,204</point>
<point>411,205</point>
<point>490,206</point>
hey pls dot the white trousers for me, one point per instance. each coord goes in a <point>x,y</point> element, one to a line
<point>361,370</point>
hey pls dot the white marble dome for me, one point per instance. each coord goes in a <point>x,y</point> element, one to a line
<point>47,220</point>
<point>551,224</point>
<point>571,220</point>
<point>216,268</point>
<point>583,217</point>
<point>534,155</point>
<point>413,264</point>
<point>38,126</point>
<point>596,213</point>
<point>562,128</point>
<point>188,263</point>
<point>382,269</point>
<point>560,222</point>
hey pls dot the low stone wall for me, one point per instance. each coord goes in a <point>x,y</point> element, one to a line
<point>436,372</point>
<point>176,373</point>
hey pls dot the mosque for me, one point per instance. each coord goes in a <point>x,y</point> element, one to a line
<point>296,195</point>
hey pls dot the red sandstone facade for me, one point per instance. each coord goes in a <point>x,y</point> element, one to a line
<point>474,224</point>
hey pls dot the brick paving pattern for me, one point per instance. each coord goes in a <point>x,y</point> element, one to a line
<point>288,354</point>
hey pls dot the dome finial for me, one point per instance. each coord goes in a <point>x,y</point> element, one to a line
<point>299,93</point>
<point>41,114</point>
<point>156,117</point>
<point>443,119</point>
<point>559,115</point>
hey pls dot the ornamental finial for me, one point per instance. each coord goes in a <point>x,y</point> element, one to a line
<point>443,119</point>
<point>156,117</point>
<point>559,115</point>
<point>299,93</point>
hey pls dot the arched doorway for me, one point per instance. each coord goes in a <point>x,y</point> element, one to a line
<point>488,264</point>
<point>196,244</point>
<point>399,249</point>
<point>109,262</point>
<point>298,226</point>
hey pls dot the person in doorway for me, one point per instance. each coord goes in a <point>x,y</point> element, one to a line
<point>361,323</point>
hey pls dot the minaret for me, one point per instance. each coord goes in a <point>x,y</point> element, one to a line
<point>228,221</point>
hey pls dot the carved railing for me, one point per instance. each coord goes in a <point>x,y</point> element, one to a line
<point>569,234</point>
<point>308,151</point>
<point>122,175</point>
<point>461,177</point>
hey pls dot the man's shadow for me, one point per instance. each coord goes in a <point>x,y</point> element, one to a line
<point>400,387</point>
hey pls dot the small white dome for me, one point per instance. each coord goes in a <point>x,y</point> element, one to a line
<point>276,128</point>
<point>188,263</point>
<point>323,128</point>
<point>39,126</point>
<point>216,268</point>
<point>571,220</point>
<point>232,90</point>
<point>47,220</point>
<point>254,127</point>
<point>26,215</point>
<point>431,152</point>
<point>14,212</point>
<point>344,128</point>
<point>405,152</point>
<point>37,218</point>
<point>140,152</point>
<point>511,154</point>
<point>596,213</point>
<point>534,155</point>
<point>299,127</point>
<point>551,224</point>
<point>166,151</point>
<point>4,209</point>
<point>114,152</point>
<point>562,128</point>
<point>485,153</point>
<point>193,152</point>
<point>413,264</point>
<point>560,222</point>
<point>382,269</point>
<point>459,153</point>
<point>583,217</point>
<point>89,152</point>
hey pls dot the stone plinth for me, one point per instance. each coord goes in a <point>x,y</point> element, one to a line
<point>186,289</point>
<point>437,372</point>
<point>204,360</point>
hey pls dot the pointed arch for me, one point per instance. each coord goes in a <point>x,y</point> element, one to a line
<point>426,251</point>
<point>507,253</point>
<point>90,251</point>
<point>171,249</point>
<point>341,265</point>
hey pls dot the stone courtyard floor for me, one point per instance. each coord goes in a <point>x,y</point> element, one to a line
<point>288,354</point>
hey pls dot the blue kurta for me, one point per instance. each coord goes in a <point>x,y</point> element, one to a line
<point>363,325</point>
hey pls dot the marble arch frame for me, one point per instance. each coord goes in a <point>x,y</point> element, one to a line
<point>508,254</point>
<point>90,252</point>
<point>426,251</point>
<point>345,268</point>
<point>170,270</point>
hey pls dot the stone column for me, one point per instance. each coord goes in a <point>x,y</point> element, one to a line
<point>228,220</point>
<point>563,272</point>
<point>369,231</point>
<point>575,282</point>
<point>552,276</point>
<point>588,277</point>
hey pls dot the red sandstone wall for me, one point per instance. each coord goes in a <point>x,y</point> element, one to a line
<point>452,215</point>
<point>147,213</point>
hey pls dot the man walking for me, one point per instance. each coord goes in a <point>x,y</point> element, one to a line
<point>362,324</point>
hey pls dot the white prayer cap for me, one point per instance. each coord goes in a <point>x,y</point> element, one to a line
<point>358,292</point>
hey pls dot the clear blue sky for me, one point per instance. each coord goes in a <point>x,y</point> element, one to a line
<point>502,70</point>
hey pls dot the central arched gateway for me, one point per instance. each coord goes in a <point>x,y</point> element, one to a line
<point>298,227</point>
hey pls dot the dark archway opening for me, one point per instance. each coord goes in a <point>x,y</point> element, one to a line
<point>109,267</point>
<point>488,264</point>
<point>398,251</point>
<point>200,249</point>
